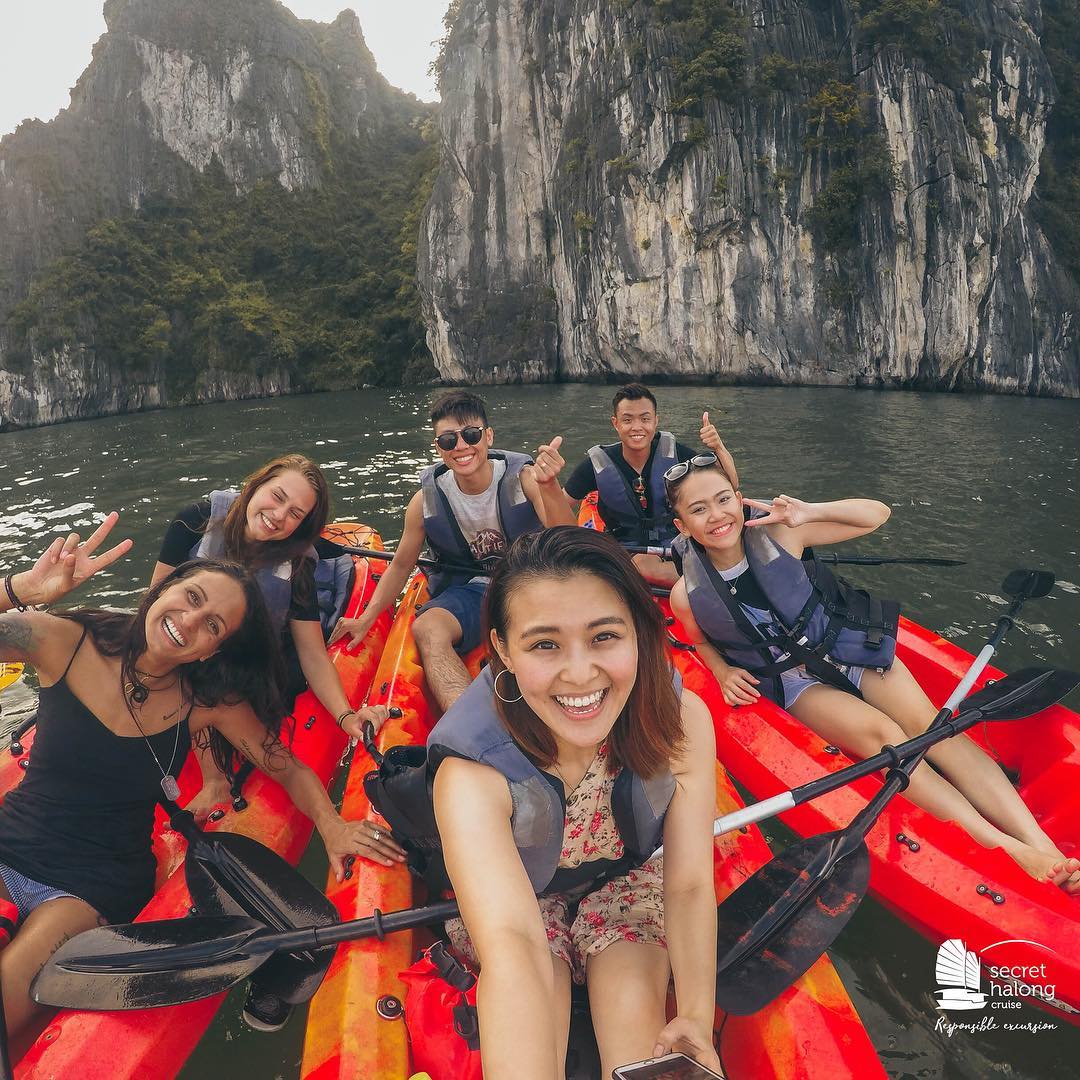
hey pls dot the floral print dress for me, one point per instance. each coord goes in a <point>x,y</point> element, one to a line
<point>627,908</point>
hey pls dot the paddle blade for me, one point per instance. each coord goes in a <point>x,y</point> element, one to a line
<point>229,874</point>
<point>1021,694</point>
<point>749,917</point>
<point>148,965</point>
<point>1030,584</point>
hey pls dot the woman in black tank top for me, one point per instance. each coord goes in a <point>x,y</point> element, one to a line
<point>122,697</point>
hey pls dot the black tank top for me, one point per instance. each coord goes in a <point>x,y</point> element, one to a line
<point>82,819</point>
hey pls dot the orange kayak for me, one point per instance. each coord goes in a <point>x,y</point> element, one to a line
<point>154,1044</point>
<point>355,1025</point>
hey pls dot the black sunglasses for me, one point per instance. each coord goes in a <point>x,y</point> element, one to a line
<point>698,461</point>
<point>448,439</point>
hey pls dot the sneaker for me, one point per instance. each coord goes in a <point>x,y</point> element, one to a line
<point>266,1012</point>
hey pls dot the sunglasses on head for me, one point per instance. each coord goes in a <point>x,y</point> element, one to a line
<point>448,439</point>
<point>698,461</point>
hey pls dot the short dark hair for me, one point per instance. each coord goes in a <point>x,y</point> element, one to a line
<point>458,405</point>
<point>649,732</point>
<point>634,391</point>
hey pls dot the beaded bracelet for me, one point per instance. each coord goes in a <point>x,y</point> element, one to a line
<point>10,590</point>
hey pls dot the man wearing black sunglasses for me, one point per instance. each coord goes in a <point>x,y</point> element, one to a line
<point>469,509</point>
<point>628,476</point>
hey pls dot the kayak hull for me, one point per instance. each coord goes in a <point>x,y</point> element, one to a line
<point>154,1044</point>
<point>812,1030</point>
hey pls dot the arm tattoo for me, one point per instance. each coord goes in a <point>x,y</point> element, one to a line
<point>16,632</point>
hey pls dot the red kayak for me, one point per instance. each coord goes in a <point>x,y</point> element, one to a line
<point>355,1025</point>
<point>1024,933</point>
<point>154,1044</point>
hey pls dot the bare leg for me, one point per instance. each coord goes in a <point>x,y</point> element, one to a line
<point>968,767</point>
<point>863,729</point>
<point>561,1003</point>
<point>628,985</point>
<point>655,570</point>
<point>437,632</point>
<point>44,931</point>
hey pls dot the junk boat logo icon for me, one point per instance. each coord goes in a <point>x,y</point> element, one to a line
<point>959,975</point>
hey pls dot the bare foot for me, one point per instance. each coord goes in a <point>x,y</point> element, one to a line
<point>1066,874</point>
<point>1049,866</point>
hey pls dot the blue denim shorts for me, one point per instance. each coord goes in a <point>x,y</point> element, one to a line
<point>466,604</point>
<point>27,894</point>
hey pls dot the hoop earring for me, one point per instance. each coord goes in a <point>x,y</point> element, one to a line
<point>506,701</point>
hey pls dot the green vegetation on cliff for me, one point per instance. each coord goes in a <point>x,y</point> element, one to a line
<point>1058,203</point>
<point>319,282</point>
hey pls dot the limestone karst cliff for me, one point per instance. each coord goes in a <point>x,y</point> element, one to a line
<point>226,209</point>
<point>790,191</point>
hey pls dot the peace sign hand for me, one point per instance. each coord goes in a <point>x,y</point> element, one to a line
<point>549,461</point>
<point>66,564</point>
<point>783,510</point>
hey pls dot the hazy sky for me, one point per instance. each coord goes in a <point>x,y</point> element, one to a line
<point>45,45</point>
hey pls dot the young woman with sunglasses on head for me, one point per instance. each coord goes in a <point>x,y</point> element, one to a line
<point>272,526</point>
<point>122,697</point>
<point>825,653</point>
<point>560,770</point>
<point>469,508</point>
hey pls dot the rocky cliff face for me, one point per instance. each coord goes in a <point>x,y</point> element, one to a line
<point>803,192</point>
<point>174,87</point>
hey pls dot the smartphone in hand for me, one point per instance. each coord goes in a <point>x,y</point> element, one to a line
<point>669,1067</point>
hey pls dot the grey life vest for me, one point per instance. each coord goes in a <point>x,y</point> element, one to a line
<point>444,536</point>
<point>275,581</point>
<point>632,525</point>
<point>817,619</point>
<point>401,791</point>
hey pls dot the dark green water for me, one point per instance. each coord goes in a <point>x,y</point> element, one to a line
<point>989,479</point>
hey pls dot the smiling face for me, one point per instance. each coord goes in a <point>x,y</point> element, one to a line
<point>571,645</point>
<point>464,460</point>
<point>635,420</point>
<point>191,618</point>
<point>278,506</point>
<point>709,510</point>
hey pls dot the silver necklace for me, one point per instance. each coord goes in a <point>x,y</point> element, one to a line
<point>168,782</point>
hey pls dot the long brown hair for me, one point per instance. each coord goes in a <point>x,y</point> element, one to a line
<point>248,666</point>
<point>648,732</point>
<point>292,547</point>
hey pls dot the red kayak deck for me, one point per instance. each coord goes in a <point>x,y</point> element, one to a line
<point>812,1030</point>
<point>945,888</point>
<point>154,1044</point>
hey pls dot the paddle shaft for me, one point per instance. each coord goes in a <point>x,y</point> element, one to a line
<point>432,564</point>
<point>778,804</point>
<point>830,557</point>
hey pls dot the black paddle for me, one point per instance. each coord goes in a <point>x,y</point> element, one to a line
<point>833,558</point>
<point>228,874</point>
<point>1017,696</point>
<point>151,964</point>
<point>432,564</point>
<point>783,917</point>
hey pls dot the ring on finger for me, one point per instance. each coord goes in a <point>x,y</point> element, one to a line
<point>376,835</point>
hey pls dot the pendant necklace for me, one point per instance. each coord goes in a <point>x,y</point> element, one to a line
<point>169,785</point>
<point>639,491</point>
